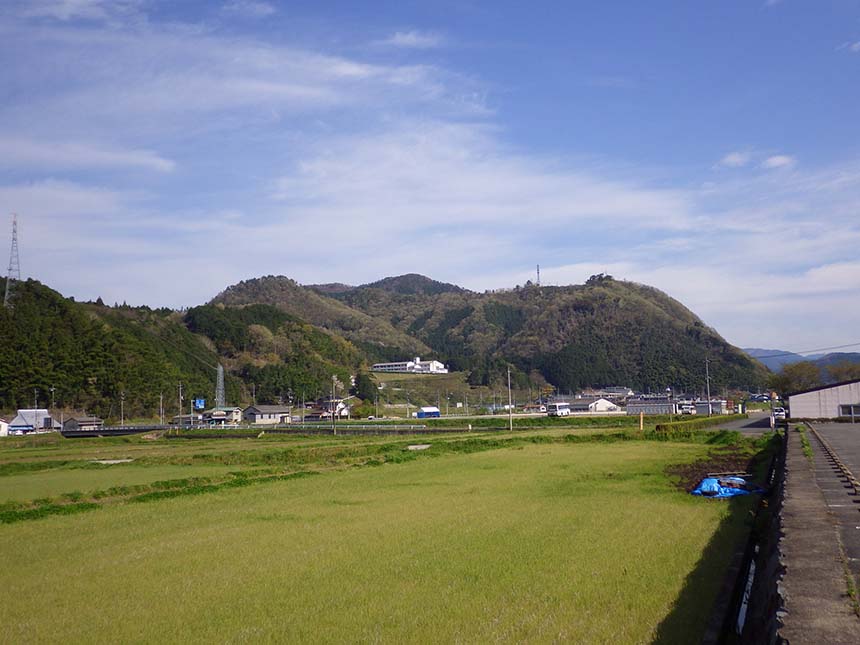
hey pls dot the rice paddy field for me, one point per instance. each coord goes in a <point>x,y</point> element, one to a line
<point>540,536</point>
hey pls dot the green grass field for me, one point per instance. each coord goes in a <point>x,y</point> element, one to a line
<point>485,538</point>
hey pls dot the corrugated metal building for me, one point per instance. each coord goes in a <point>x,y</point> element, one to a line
<point>838,400</point>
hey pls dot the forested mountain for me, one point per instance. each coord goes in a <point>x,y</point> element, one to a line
<point>280,340</point>
<point>604,332</point>
<point>91,354</point>
<point>376,338</point>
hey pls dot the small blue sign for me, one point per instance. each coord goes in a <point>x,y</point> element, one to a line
<point>199,404</point>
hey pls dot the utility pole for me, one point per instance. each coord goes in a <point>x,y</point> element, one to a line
<point>331,404</point>
<point>35,398</point>
<point>52,388</point>
<point>254,392</point>
<point>708,384</point>
<point>122,409</point>
<point>161,408</point>
<point>510,403</point>
<point>179,407</point>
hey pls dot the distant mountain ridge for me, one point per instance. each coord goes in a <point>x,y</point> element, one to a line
<point>775,359</point>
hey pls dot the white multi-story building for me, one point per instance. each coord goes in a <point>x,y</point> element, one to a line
<point>415,366</point>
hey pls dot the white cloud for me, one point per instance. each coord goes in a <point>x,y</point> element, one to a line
<point>853,47</point>
<point>443,174</point>
<point>53,198</point>
<point>141,81</point>
<point>250,8</point>
<point>778,161</point>
<point>736,159</point>
<point>20,152</point>
<point>413,40</point>
<point>107,11</point>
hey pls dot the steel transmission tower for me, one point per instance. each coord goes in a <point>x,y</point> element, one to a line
<point>14,272</point>
<point>219,388</point>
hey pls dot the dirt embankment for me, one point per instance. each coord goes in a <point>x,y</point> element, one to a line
<point>729,459</point>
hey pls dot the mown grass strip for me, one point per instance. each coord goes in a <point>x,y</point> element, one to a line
<point>805,446</point>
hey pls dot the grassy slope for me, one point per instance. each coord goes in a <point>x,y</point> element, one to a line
<point>585,543</point>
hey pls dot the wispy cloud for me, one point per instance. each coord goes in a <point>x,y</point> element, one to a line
<point>104,11</point>
<point>853,47</point>
<point>413,40</point>
<point>20,152</point>
<point>778,161</point>
<point>736,159</point>
<point>250,8</point>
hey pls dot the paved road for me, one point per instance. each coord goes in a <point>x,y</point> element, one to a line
<point>843,502</point>
<point>758,423</point>
<point>814,589</point>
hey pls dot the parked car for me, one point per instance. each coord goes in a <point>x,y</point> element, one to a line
<point>687,408</point>
<point>779,413</point>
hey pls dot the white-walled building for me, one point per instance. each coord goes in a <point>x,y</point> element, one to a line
<point>223,416</point>
<point>35,420</point>
<point>267,415</point>
<point>4,428</point>
<point>838,400</point>
<point>584,404</point>
<point>415,366</point>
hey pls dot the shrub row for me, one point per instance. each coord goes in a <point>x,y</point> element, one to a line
<point>697,424</point>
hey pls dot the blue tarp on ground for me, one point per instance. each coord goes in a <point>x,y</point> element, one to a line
<point>722,487</point>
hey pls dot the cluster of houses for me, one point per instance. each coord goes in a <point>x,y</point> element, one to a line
<point>41,420</point>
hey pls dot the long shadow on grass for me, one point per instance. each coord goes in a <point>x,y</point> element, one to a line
<point>694,607</point>
<point>702,605</point>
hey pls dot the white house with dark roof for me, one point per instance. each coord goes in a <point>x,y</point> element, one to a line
<point>266,415</point>
<point>223,416</point>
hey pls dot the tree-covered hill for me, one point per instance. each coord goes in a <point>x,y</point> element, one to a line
<point>279,341</point>
<point>604,332</point>
<point>92,354</point>
<point>373,335</point>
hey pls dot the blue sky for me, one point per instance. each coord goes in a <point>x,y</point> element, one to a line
<point>157,152</point>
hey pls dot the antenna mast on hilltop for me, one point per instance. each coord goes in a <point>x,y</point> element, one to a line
<point>538,275</point>
<point>14,272</point>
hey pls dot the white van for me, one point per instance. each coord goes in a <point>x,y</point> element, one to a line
<point>558,409</point>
